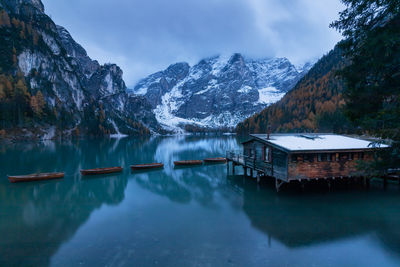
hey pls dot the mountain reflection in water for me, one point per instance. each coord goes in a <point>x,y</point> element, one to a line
<point>185,216</point>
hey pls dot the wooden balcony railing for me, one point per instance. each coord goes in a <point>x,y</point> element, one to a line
<point>250,162</point>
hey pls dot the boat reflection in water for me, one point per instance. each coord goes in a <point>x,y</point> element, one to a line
<point>179,217</point>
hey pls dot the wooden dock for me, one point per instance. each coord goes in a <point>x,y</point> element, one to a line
<point>259,169</point>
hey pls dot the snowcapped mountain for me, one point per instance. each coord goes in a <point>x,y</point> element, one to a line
<point>218,92</point>
<point>67,93</point>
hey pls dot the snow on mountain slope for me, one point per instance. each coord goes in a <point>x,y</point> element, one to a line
<point>218,92</point>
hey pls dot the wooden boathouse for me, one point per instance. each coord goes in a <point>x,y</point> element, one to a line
<point>299,157</point>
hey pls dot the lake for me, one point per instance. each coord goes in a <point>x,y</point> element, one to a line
<point>182,217</point>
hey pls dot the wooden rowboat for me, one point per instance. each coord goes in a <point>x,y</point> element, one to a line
<point>101,171</point>
<point>35,177</point>
<point>188,162</point>
<point>141,167</point>
<point>215,160</point>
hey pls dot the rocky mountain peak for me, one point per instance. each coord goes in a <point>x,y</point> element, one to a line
<point>218,92</point>
<point>15,5</point>
<point>75,51</point>
<point>36,3</point>
<point>106,81</point>
<point>237,58</point>
<point>178,69</point>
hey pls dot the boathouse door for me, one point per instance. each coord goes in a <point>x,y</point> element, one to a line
<point>253,151</point>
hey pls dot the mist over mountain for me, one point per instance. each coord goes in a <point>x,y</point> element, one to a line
<point>50,86</point>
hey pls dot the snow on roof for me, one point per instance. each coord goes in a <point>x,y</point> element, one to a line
<point>304,142</point>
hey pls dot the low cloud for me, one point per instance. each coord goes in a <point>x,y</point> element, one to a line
<point>145,36</point>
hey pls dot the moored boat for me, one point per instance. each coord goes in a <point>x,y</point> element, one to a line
<point>101,171</point>
<point>35,177</point>
<point>215,160</point>
<point>149,166</point>
<point>188,162</point>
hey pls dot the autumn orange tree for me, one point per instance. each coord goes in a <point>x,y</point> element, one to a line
<point>314,104</point>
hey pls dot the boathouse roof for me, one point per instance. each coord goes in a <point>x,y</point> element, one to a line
<point>317,142</point>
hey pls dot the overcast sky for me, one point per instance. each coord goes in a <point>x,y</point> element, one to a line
<point>145,36</point>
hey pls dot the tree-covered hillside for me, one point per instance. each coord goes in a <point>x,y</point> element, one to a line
<point>50,87</point>
<point>314,105</point>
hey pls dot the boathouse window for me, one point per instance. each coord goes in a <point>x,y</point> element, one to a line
<point>308,158</point>
<point>329,157</point>
<point>351,156</point>
<point>294,158</point>
<point>322,157</point>
<point>267,154</point>
<point>361,155</point>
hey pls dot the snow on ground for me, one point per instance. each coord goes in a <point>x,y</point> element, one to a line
<point>50,134</point>
<point>118,134</point>
<point>269,95</point>
<point>141,91</point>
<point>219,64</point>
<point>270,72</point>
<point>145,85</point>
<point>170,103</point>
<point>211,85</point>
<point>225,119</point>
<point>203,91</point>
<point>164,115</point>
<point>109,82</point>
<point>245,89</point>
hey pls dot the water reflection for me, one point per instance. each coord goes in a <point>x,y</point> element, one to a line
<point>304,220</point>
<point>36,219</point>
<point>183,185</point>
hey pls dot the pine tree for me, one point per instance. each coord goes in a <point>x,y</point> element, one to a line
<point>21,101</point>
<point>2,92</point>
<point>4,19</point>
<point>40,100</point>
<point>372,44</point>
<point>37,104</point>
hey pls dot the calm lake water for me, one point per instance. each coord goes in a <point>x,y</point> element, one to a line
<point>182,217</point>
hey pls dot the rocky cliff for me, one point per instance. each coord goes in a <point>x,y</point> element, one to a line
<point>218,92</point>
<point>79,95</point>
